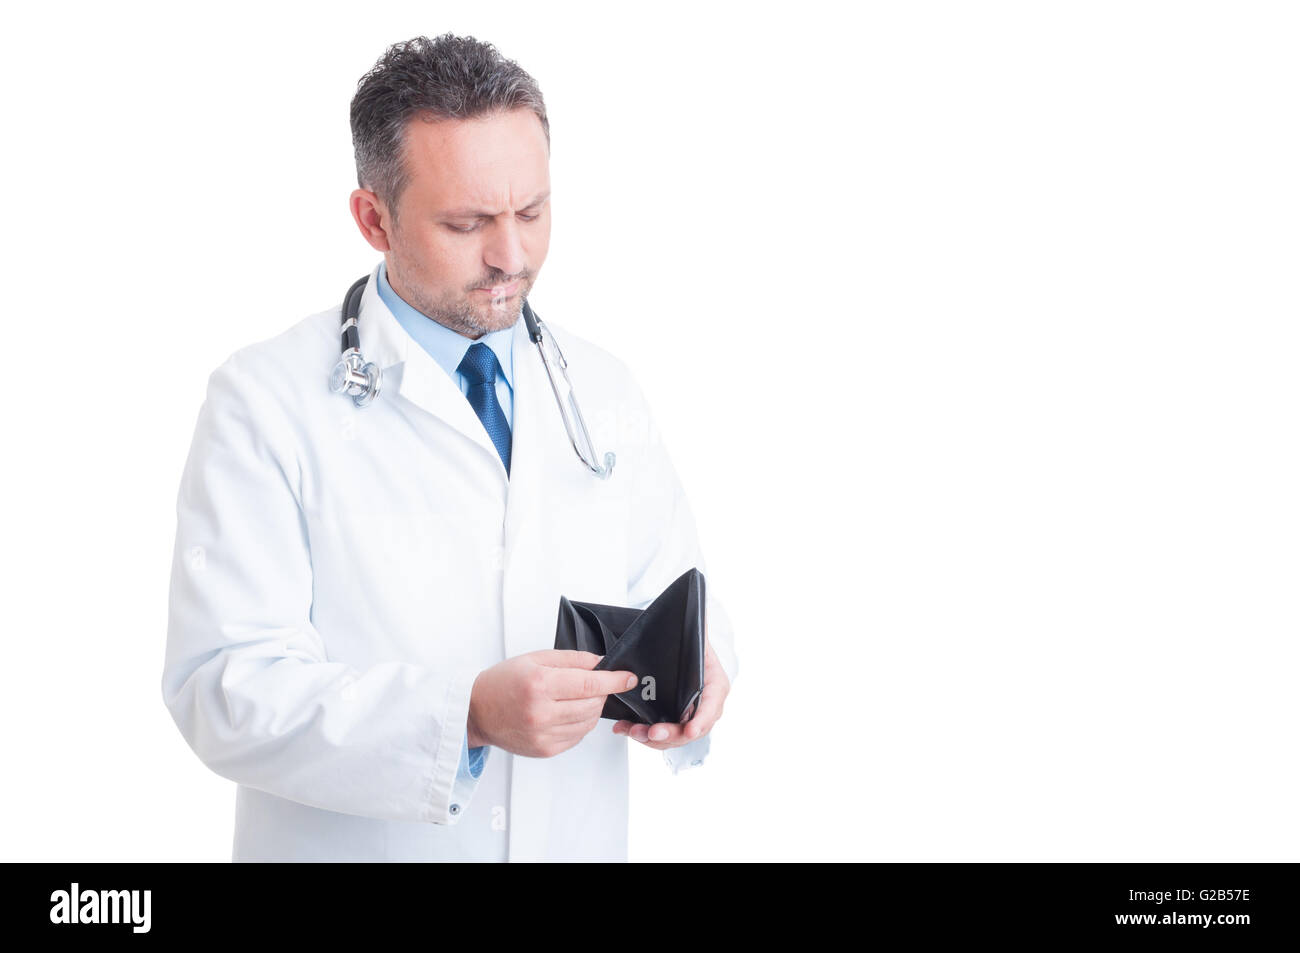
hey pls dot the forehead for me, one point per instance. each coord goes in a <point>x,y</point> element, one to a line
<point>485,161</point>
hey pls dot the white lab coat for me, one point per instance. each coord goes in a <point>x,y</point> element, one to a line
<point>342,574</point>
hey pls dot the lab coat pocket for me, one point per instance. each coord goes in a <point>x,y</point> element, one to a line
<point>597,542</point>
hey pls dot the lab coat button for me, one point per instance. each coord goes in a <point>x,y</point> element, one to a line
<point>455,809</point>
<point>697,762</point>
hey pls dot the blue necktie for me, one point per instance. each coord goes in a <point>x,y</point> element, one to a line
<point>479,365</point>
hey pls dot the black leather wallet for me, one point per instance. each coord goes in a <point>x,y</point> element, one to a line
<point>663,644</point>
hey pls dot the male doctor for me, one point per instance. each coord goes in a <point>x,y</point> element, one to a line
<point>364,599</point>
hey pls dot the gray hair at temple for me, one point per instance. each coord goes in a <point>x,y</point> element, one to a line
<point>450,77</point>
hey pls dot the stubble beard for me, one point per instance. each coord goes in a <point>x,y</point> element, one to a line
<point>460,314</point>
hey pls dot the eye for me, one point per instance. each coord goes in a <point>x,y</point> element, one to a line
<point>464,229</point>
<point>529,218</point>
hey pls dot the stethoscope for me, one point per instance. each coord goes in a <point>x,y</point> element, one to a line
<point>361,380</point>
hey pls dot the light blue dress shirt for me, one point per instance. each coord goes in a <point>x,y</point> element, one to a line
<point>448,348</point>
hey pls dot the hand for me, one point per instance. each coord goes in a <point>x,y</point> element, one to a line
<point>707,712</point>
<point>540,703</point>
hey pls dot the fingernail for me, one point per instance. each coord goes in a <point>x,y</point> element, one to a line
<point>631,682</point>
<point>658,734</point>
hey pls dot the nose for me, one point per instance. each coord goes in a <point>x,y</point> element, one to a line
<point>504,250</point>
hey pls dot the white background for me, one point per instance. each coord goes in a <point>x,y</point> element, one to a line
<point>972,329</point>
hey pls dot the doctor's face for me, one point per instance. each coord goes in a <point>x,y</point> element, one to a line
<point>474,221</point>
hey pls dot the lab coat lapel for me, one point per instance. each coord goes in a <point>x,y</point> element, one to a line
<point>420,379</point>
<point>533,399</point>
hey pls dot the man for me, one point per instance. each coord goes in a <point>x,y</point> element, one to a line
<point>364,598</point>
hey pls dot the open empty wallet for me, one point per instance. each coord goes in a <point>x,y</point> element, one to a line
<point>663,644</point>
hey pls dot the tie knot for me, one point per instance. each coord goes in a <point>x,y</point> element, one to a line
<point>479,365</point>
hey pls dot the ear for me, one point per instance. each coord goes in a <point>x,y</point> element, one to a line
<point>371,217</point>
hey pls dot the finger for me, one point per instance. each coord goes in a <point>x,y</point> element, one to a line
<point>573,731</point>
<point>712,698</point>
<point>708,712</point>
<point>566,658</point>
<point>575,683</point>
<point>563,740</point>
<point>665,735</point>
<point>575,711</point>
<point>621,727</point>
<point>662,732</point>
<point>701,724</point>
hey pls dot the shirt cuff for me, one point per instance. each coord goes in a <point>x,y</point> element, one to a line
<point>690,755</point>
<point>471,761</point>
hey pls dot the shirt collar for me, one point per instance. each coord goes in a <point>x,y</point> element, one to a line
<point>444,345</point>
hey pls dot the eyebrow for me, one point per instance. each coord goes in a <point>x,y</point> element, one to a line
<point>478,213</point>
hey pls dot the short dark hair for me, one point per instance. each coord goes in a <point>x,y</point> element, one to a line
<point>450,77</point>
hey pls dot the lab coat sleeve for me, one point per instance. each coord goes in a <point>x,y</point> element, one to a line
<point>247,677</point>
<point>662,544</point>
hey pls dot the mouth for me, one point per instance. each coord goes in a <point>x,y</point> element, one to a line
<point>503,291</point>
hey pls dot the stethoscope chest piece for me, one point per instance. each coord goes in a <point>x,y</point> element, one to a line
<point>360,381</point>
<point>354,375</point>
